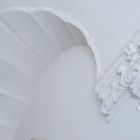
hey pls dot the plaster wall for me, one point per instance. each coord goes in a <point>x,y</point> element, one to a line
<point>64,106</point>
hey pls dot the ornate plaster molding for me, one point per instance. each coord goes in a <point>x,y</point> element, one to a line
<point>121,81</point>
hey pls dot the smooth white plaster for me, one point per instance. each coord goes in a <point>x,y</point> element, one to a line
<point>111,23</point>
<point>65,107</point>
<point>63,103</point>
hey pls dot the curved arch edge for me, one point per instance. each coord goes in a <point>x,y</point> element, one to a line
<point>67,19</point>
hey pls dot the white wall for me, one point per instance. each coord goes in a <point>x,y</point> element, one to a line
<point>65,108</point>
<point>63,105</point>
<point>110,22</point>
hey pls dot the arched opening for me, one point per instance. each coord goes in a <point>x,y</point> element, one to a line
<point>31,39</point>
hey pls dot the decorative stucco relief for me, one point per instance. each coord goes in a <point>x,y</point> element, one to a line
<point>121,82</point>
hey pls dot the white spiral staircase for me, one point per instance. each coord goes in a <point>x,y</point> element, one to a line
<point>30,39</point>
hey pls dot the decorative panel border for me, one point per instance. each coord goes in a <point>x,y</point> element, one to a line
<point>121,81</point>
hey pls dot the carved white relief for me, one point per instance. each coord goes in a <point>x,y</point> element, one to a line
<point>120,82</point>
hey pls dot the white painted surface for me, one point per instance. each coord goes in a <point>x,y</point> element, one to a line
<point>63,105</point>
<point>27,49</point>
<point>65,108</point>
<point>111,23</point>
